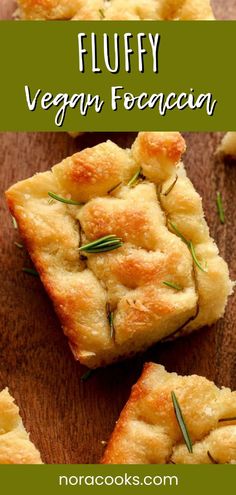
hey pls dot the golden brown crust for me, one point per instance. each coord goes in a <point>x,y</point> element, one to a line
<point>15,445</point>
<point>147,431</point>
<point>129,279</point>
<point>116,9</point>
<point>228,145</point>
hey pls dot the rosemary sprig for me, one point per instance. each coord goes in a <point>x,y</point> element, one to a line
<point>190,246</point>
<point>107,243</point>
<point>172,285</point>
<point>30,271</point>
<point>182,424</point>
<point>87,375</point>
<point>212,458</point>
<point>222,420</point>
<point>169,189</point>
<point>135,177</point>
<point>15,225</point>
<point>17,244</point>
<point>110,317</point>
<point>220,208</point>
<point>64,200</point>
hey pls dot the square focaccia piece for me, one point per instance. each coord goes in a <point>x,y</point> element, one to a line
<point>150,431</point>
<point>228,145</point>
<point>116,9</point>
<point>156,274</point>
<point>15,445</point>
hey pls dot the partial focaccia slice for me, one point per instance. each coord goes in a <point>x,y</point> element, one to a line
<point>148,432</point>
<point>228,145</point>
<point>15,445</point>
<point>116,9</point>
<point>131,280</point>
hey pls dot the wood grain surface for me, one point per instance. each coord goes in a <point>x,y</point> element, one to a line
<point>68,419</point>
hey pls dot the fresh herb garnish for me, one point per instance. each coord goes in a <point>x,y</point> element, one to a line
<point>172,285</point>
<point>110,317</point>
<point>30,271</point>
<point>170,187</point>
<point>189,244</point>
<point>101,12</point>
<point>64,200</point>
<point>17,244</point>
<point>192,251</point>
<point>135,177</point>
<point>212,458</point>
<point>114,187</point>
<point>220,208</point>
<point>227,419</point>
<point>182,424</point>
<point>107,243</point>
<point>87,375</point>
<point>15,225</point>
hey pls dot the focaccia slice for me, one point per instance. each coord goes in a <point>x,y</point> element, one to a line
<point>148,431</point>
<point>15,445</point>
<point>116,9</point>
<point>228,145</point>
<point>113,304</point>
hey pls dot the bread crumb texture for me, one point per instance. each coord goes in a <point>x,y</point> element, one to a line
<point>129,280</point>
<point>148,432</point>
<point>228,145</point>
<point>15,445</point>
<point>116,9</point>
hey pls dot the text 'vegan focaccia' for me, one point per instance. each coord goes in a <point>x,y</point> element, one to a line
<point>148,431</point>
<point>15,445</point>
<point>115,9</point>
<point>115,303</point>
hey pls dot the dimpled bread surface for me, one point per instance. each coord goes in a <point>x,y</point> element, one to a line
<point>15,445</point>
<point>129,280</point>
<point>148,432</point>
<point>116,9</point>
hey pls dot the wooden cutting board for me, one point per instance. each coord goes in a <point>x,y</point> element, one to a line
<point>69,419</point>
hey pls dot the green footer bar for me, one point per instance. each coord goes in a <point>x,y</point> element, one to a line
<point>104,479</point>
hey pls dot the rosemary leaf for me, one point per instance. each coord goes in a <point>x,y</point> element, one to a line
<point>169,189</point>
<point>30,271</point>
<point>107,243</point>
<point>222,420</point>
<point>220,208</point>
<point>64,200</point>
<point>87,375</point>
<point>17,244</point>
<point>110,317</point>
<point>15,225</point>
<point>102,15</point>
<point>192,251</point>
<point>172,285</point>
<point>178,233</point>
<point>190,246</point>
<point>182,424</point>
<point>135,177</point>
<point>114,187</point>
<point>212,458</point>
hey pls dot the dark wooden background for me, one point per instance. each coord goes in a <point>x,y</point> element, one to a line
<point>69,419</point>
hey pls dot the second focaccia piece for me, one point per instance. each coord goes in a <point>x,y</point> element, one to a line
<point>15,445</point>
<point>165,277</point>
<point>228,145</point>
<point>148,431</point>
<point>116,9</point>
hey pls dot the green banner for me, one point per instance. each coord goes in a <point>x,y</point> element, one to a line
<point>120,76</point>
<point>104,479</point>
